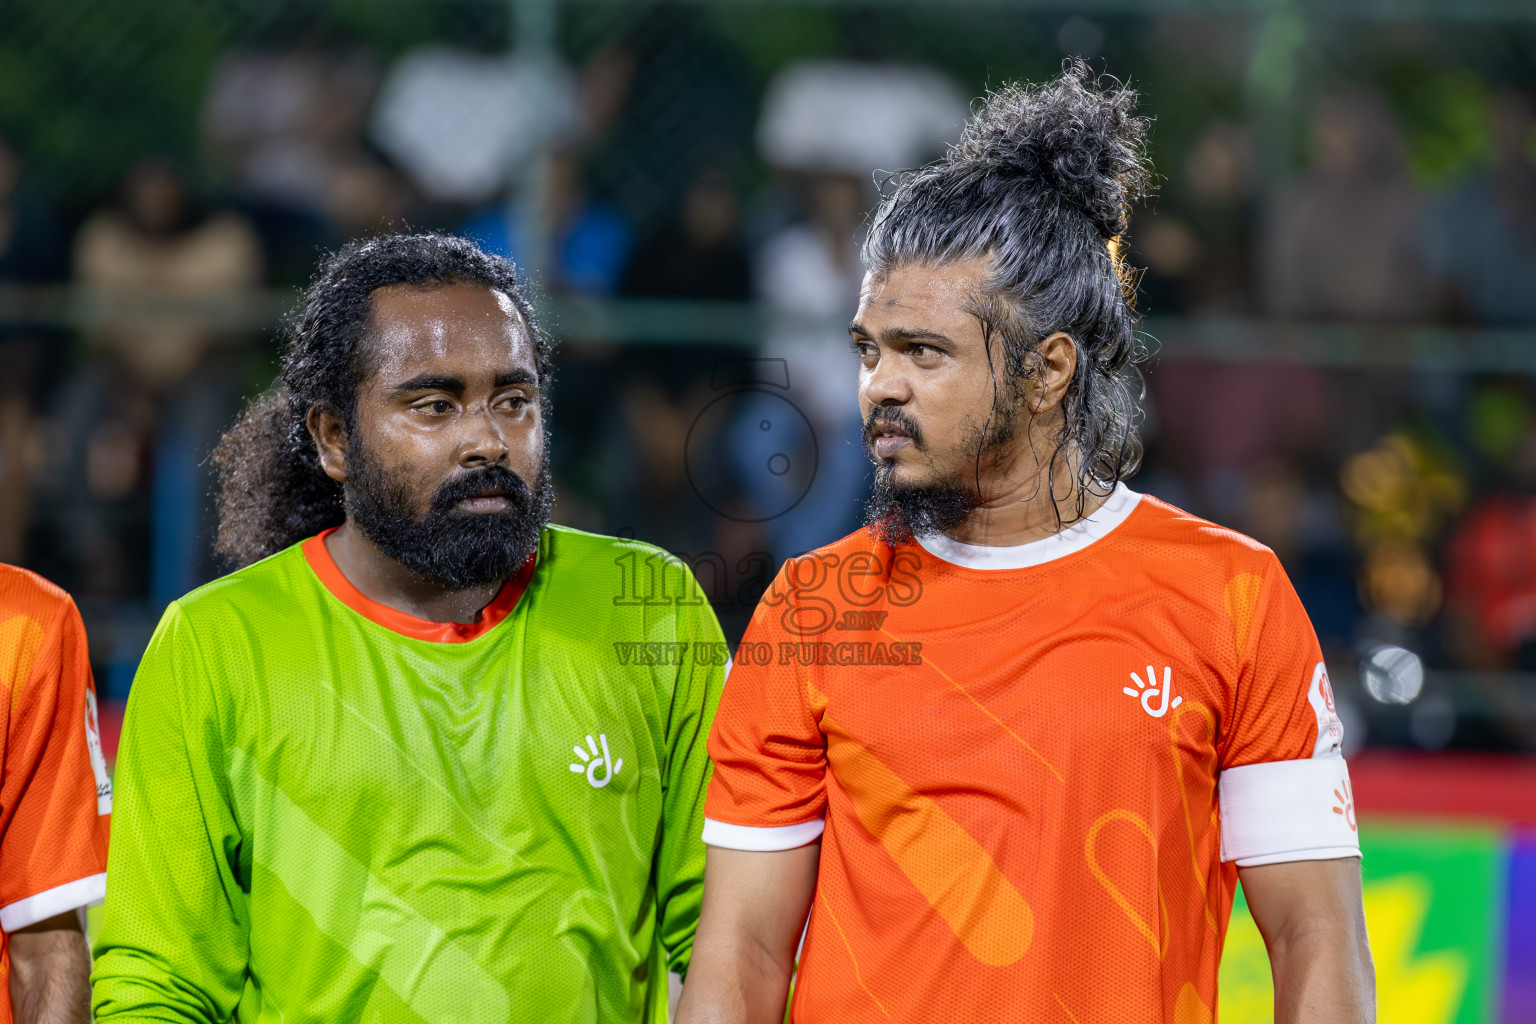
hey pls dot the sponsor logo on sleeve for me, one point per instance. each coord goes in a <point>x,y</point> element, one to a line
<point>1330,731</point>
<point>98,762</point>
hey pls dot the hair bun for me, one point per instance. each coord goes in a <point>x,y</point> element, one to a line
<point>1078,139</point>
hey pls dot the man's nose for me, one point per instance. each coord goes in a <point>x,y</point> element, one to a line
<point>885,384</point>
<point>483,441</point>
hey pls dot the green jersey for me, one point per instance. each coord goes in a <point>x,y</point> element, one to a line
<point>328,810</point>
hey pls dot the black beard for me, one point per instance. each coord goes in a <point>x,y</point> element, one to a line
<point>895,512</point>
<point>446,546</point>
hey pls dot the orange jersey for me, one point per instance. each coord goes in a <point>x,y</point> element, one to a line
<point>1037,768</point>
<point>55,797</point>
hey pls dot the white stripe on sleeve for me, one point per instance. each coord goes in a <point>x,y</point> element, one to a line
<point>82,892</point>
<point>1280,811</point>
<point>762,840</point>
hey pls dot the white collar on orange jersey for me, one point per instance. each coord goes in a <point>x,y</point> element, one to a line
<point>1116,509</point>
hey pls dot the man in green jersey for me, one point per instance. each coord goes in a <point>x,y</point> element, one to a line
<point>396,768</point>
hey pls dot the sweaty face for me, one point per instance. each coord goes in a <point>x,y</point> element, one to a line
<point>446,466</point>
<point>940,411</point>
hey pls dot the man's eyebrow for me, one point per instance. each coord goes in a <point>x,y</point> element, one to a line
<point>448,382</point>
<point>901,334</point>
<point>429,382</point>
<point>510,377</point>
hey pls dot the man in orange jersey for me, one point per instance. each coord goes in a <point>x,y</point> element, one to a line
<point>1013,745</point>
<point>55,803</point>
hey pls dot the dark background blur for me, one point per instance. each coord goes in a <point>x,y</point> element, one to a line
<point>1340,282</point>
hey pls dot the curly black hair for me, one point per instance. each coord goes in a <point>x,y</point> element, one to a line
<point>272,491</point>
<point>1040,185</point>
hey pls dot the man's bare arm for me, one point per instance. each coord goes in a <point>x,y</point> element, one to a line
<point>755,906</point>
<point>50,972</point>
<point>1313,922</point>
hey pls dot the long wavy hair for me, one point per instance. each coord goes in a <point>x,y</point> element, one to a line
<point>1039,186</point>
<point>272,491</point>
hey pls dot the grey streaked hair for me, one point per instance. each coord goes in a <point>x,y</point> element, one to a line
<point>1039,185</point>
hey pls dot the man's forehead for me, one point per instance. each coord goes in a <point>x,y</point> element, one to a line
<point>919,292</point>
<point>450,322</point>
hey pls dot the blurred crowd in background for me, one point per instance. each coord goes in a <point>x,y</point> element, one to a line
<point>706,174</point>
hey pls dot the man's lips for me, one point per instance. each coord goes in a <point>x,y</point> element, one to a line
<point>889,438</point>
<point>494,501</point>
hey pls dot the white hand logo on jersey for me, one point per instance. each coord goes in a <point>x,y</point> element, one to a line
<point>1149,692</point>
<point>591,763</point>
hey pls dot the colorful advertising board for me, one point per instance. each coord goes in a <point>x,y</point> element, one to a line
<point>1433,907</point>
<point>1450,904</point>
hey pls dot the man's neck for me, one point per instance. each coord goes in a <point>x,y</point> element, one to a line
<point>1021,508</point>
<point>382,579</point>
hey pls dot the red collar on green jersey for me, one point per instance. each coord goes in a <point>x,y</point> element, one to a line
<point>324,567</point>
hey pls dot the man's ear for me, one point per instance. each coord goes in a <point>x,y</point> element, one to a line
<point>1056,359</point>
<point>330,433</point>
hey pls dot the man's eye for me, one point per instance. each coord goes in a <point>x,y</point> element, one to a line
<point>437,407</point>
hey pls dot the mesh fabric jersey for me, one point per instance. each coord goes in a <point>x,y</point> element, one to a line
<point>1014,754</point>
<point>55,797</point>
<point>331,811</point>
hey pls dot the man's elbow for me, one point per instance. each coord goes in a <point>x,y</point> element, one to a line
<point>130,986</point>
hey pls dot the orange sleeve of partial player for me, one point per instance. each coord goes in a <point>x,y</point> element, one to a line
<point>1284,790</point>
<point>1281,705</point>
<point>55,796</point>
<point>769,785</point>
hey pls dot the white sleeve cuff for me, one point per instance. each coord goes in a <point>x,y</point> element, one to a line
<point>1320,853</point>
<point>762,840</point>
<point>82,892</point>
<point>1281,811</point>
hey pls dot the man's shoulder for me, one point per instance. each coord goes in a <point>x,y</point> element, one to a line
<point>575,562</point>
<point>860,540</point>
<point>1159,527</point>
<point>569,557</point>
<point>261,587</point>
<point>628,584</point>
<point>24,592</point>
<point>568,544</point>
